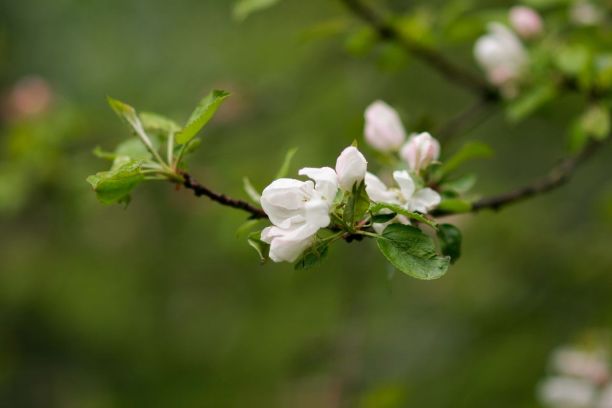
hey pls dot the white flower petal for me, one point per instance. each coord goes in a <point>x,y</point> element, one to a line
<point>405,182</point>
<point>326,181</point>
<point>378,191</point>
<point>351,168</point>
<point>383,127</point>
<point>424,200</point>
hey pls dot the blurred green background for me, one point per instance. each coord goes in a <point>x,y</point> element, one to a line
<point>162,305</point>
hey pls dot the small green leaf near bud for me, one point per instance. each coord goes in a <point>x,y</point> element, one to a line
<point>201,115</point>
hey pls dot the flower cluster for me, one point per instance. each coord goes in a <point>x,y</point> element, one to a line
<point>298,209</point>
<point>501,53</point>
<point>581,379</point>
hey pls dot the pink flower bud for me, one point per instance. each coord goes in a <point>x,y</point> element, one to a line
<point>383,128</point>
<point>351,168</point>
<point>420,151</point>
<point>525,21</point>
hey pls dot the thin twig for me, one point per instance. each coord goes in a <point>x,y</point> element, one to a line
<point>200,190</point>
<point>556,177</point>
<point>442,65</point>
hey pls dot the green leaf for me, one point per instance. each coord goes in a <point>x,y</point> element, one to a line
<point>450,241</point>
<point>469,151</point>
<point>412,252</point>
<point>530,101</point>
<point>125,112</point>
<point>134,149</point>
<point>357,204</point>
<point>459,185</point>
<point>262,248</point>
<point>201,115</point>
<point>158,124</point>
<point>382,218</point>
<point>374,209</point>
<point>114,186</point>
<point>454,205</point>
<point>251,190</point>
<point>284,169</point>
<point>246,228</point>
<point>244,8</point>
<point>312,257</point>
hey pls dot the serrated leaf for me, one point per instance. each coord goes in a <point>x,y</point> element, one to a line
<point>450,241</point>
<point>114,186</point>
<point>469,151</point>
<point>312,257</point>
<point>244,8</point>
<point>201,115</point>
<point>158,124</point>
<point>412,252</point>
<point>284,168</point>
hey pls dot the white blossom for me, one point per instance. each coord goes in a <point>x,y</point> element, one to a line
<point>420,151</point>
<point>502,55</point>
<point>525,21</point>
<point>351,168</point>
<point>567,392</point>
<point>297,210</point>
<point>406,196</point>
<point>383,127</point>
<point>592,366</point>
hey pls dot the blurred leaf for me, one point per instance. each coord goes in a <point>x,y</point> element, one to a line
<point>455,205</point>
<point>575,61</point>
<point>325,29</point>
<point>134,149</point>
<point>361,42</point>
<point>357,204</point>
<point>469,151</point>
<point>603,71</point>
<point>313,256</point>
<point>262,248</point>
<point>284,168</point>
<point>246,228</point>
<point>417,26</point>
<point>158,124</point>
<point>450,241</point>
<point>201,115</point>
<point>114,186</point>
<point>125,112</point>
<point>251,191</point>
<point>595,121</point>
<point>412,252</point>
<point>530,101</point>
<point>244,8</point>
<point>459,185</point>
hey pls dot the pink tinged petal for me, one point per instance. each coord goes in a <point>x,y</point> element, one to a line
<point>378,192</point>
<point>326,181</point>
<point>383,127</point>
<point>525,21</point>
<point>351,167</point>
<point>405,183</point>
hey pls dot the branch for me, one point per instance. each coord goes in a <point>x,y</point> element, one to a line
<point>556,177</point>
<point>199,190</point>
<point>464,121</point>
<point>445,67</point>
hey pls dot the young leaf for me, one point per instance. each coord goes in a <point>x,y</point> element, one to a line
<point>114,186</point>
<point>450,241</point>
<point>134,149</point>
<point>201,115</point>
<point>244,8</point>
<point>262,248</point>
<point>357,204</point>
<point>531,101</point>
<point>469,151</point>
<point>382,218</point>
<point>459,185</point>
<point>158,124</point>
<point>251,190</point>
<point>399,210</point>
<point>312,257</point>
<point>284,169</point>
<point>595,122</point>
<point>412,252</point>
<point>454,205</point>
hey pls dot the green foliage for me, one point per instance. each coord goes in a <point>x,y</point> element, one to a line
<point>284,168</point>
<point>377,207</point>
<point>158,124</point>
<point>530,101</point>
<point>454,205</point>
<point>244,8</point>
<point>450,241</point>
<point>262,248</point>
<point>412,252</point>
<point>114,186</point>
<point>313,256</point>
<point>469,151</point>
<point>201,115</point>
<point>357,205</point>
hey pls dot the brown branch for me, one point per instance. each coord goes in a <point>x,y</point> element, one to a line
<point>200,190</point>
<point>445,67</point>
<point>556,177</point>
